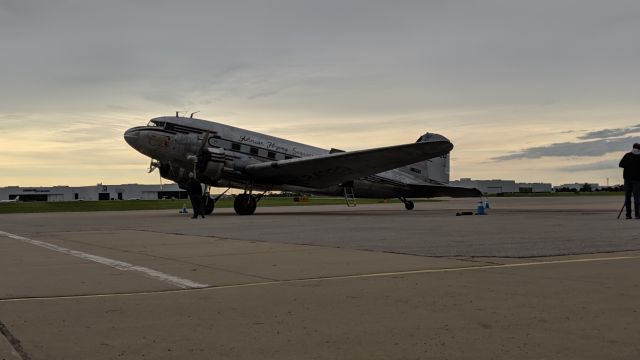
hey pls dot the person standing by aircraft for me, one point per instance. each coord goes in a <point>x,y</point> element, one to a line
<point>194,189</point>
<point>631,164</point>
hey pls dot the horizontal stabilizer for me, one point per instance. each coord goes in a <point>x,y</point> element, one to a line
<point>442,191</point>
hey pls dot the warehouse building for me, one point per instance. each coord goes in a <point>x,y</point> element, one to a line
<point>534,187</point>
<point>487,186</point>
<point>502,186</point>
<point>93,193</point>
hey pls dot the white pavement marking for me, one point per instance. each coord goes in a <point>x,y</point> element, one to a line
<point>120,265</point>
<point>328,278</point>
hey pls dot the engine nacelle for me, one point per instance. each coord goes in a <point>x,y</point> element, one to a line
<point>210,165</point>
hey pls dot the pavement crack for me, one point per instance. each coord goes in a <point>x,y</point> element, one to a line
<point>475,261</point>
<point>14,341</point>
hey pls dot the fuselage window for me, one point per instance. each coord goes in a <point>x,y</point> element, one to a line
<point>235,146</point>
<point>253,151</point>
<point>417,171</point>
<point>271,155</point>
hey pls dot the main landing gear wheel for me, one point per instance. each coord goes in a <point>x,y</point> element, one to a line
<point>209,204</point>
<point>245,204</point>
<point>409,205</point>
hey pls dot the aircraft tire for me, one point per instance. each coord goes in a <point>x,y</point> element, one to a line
<point>409,205</point>
<point>208,204</point>
<point>245,204</point>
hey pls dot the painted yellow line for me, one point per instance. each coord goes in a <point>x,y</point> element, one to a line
<point>329,278</point>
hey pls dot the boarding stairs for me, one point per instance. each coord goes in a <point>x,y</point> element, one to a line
<point>350,196</point>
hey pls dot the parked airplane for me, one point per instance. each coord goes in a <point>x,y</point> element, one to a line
<point>225,156</point>
<point>16,199</point>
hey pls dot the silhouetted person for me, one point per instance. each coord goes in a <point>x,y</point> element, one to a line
<point>631,164</point>
<point>194,189</point>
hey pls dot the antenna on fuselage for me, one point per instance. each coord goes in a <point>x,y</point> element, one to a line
<point>193,113</point>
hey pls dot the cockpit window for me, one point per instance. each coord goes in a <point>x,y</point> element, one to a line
<point>155,123</point>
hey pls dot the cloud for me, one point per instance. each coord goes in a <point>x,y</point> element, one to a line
<point>380,56</point>
<point>610,133</point>
<point>587,148</point>
<point>13,122</point>
<point>594,166</point>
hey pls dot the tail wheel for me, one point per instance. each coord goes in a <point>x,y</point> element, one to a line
<point>409,205</point>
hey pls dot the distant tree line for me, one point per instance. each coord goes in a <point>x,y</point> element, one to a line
<point>588,188</point>
<point>282,194</point>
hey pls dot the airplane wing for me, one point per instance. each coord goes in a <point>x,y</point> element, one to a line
<point>333,169</point>
<point>442,190</point>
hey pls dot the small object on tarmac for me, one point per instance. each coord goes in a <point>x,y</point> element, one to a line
<point>183,210</point>
<point>480,209</point>
<point>462,213</point>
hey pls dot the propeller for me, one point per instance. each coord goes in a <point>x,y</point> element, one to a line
<point>205,138</point>
<point>199,152</point>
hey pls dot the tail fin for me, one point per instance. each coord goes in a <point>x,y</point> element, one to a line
<point>434,170</point>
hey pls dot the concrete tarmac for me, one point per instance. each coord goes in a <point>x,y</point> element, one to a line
<point>551,278</point>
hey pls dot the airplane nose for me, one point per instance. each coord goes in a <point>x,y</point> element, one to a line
<point>132,136</point>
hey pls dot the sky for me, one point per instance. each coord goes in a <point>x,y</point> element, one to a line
<point>533,91</point>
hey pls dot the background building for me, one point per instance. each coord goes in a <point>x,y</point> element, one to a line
<point>93,193</point>
<point>534,187</point>
<point>502,186</point>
